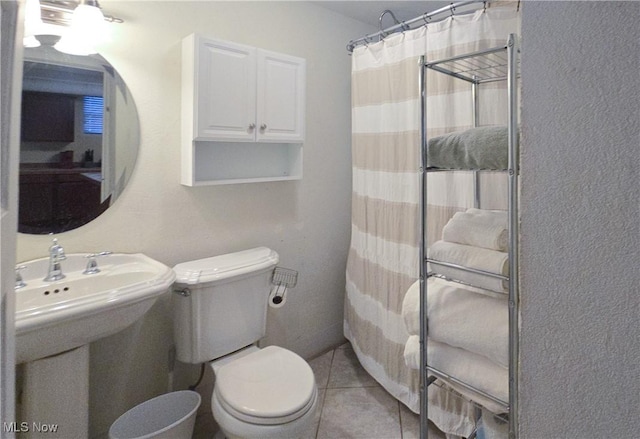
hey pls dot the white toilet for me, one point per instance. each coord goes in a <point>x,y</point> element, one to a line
<point>220,312</point>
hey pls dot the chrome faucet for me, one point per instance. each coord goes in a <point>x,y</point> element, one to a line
<point>20,283</point>
<point>56,255</point>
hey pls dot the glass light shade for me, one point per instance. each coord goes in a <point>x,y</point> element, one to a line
<point>86,31</point>
<point>32,23</point>
<point>30,41</point>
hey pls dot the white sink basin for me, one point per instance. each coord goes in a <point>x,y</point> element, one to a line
<point>53,317</point>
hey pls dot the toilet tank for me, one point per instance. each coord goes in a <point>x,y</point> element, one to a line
<point>220,303</point>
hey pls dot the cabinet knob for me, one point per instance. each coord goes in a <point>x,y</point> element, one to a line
<point>252,126</point>
<point>263,126</point>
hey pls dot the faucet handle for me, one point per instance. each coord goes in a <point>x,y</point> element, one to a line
<point>20,283</point>
<point>92,264</point>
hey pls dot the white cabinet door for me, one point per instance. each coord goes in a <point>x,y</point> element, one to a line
<point>281,98</point>
<point>225,90</point>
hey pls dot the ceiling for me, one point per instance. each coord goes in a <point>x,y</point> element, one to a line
<point>369,11</point>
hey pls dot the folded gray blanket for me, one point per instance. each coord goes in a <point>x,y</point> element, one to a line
<point>475,148</point>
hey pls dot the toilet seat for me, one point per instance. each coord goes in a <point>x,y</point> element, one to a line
<point>262,420</point>
<point>267,387</point>
<point>234,428</point>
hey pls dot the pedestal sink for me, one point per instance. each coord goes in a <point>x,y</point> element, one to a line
<point>55,322</point>
<point>53,317</point>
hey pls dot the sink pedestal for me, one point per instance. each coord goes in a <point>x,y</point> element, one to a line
<point>55,400</point>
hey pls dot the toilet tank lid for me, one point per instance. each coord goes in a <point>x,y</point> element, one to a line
<point>224,266</point>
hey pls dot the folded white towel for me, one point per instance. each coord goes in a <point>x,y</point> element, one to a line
<point>411,308</point>
<point>450,412</point>
<point>492,427</point>
<point>479,228</point>
<point>464,319</point>
<point>467,367</point>
<point>472,257</point>
<point>460,317</point>
<point>472,369</point>
<point>412,352</point>
<point>411,302</point>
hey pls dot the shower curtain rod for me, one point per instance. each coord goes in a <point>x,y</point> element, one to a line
<point>451,9</point>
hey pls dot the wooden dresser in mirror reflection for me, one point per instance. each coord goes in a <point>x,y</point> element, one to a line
<point>58,199</point>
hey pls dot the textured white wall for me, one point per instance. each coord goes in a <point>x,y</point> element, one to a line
<point>306,222</point>
<point>580,338</point>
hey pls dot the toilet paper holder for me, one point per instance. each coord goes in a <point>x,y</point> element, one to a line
<point>282,279</point>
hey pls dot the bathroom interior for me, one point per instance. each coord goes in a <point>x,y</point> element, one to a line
<point>149,193</point>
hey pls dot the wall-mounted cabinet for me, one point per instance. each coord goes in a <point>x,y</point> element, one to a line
<point>242,113</point>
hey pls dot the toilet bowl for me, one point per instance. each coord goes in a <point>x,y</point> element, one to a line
<point>264,393</point>
<point>220,314</point>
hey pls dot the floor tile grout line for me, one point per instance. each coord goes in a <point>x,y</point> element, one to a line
<point>324,397</point>
<point>320,417</point>
<point>400,420</point>
<point>365,386</point>
<point>333,355</point>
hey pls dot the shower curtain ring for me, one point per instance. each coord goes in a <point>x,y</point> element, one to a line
<point>453,9</point>
<point>484,6</point>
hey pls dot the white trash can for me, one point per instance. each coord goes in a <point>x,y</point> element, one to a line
<point>170,416</point>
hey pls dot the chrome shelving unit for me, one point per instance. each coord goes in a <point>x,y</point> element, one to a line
<point>477,68</point>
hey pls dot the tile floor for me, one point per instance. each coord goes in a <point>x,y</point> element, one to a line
<point>352,404</point>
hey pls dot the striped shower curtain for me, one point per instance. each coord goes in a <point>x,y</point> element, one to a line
<point>383,258</point>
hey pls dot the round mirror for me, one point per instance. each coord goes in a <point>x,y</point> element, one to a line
<point>79,140</point>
